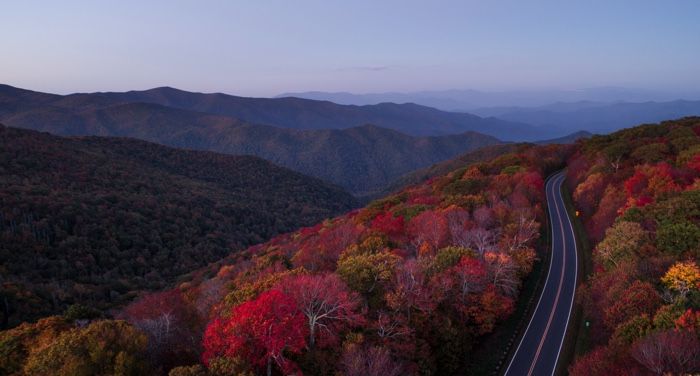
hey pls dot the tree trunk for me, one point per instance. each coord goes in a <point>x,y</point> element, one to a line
<point>269,366</point>
<point>312,337</point>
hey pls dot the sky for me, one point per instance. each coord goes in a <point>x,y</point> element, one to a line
<point>263,48</point>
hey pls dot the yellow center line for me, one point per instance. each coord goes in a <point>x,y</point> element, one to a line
<point>556,299</point>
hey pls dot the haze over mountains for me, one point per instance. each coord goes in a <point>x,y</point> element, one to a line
<point>293,113</point>
<point>595,117</point>
<point>470,100</point>
<point>362,159</point>
<point>361,148</point>
<point>559,112</point>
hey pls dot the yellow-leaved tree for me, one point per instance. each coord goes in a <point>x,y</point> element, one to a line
<point>682,277</point>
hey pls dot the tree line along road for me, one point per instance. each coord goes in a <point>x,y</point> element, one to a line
<point>540,347</point>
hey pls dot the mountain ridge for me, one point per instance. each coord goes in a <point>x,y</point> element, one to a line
<point>300,113</point>
<point>362,159</point>
<point>470,100</point>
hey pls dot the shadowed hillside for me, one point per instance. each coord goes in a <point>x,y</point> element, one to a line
<point>361,159</point>
<point>94,219</point>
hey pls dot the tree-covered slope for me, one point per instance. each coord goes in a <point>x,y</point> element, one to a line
<point>299,113</point>
<point>407,285</point>
<point>639,194</point>
<point>416,279</point>
<point>94,219</point>
<point>361,159</point>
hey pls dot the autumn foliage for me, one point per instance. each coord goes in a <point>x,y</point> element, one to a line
<point>408,284</point>
<point>263,331</point>
<point>643,298</point>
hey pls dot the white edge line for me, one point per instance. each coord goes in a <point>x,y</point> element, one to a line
<point>555,307</point>
<point>566,328</point>
<point>534,313</point>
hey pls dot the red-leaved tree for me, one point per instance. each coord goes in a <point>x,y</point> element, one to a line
<point>260,331</point>
<point>386,223</point>
<point>471,277</point>
<point>428,231</point>
<point>639,297</point>
<point>171,323</point>
<point>326,302</point>
<point>320,251</point>
<point>674,352</point>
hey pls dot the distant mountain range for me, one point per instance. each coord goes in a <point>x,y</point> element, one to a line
<point>361,159</point>
<point>468,100</point>
<point>595,117</point>
<point>553,113</point>
<point>558,107</point>
<point>568,139</point>
<point>361,148</point>
<point>95,219</point>
<point>293,113</point>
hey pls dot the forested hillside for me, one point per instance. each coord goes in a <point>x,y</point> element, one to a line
<point>639,193</point>
<point>483,154</point>
<point>409,284</point>
<point>299,113</point>
<point>361,158</point>
<point>94,220</point>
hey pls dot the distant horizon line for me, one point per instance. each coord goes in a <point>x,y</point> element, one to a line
<point>380,92</point>
<point>676,96</point>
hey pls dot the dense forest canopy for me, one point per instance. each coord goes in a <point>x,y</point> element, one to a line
<point>408,284</point>
<point>412,282</point>
<point>639,193</point>
<point>94,220</point>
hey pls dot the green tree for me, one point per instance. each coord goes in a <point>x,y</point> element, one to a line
<point>80,312</point>
<point>621,241</point>
<point>367,273</point>
<point>447,257</point>
<point>666,316</point>
<point>651,153</point>
<point>631,330</point>
<point>17,344</point>
<point>196,370</point>
<point>678,238</point>
<point>105,347</point>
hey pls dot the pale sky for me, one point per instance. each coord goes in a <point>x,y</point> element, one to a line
<point>263,48</point>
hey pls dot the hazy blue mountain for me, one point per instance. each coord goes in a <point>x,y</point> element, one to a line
<point>361,159</point>
<point>598,118</point>
<point>568,139</point>
<point>558,107</point>
<point>469,100</point>
<point>439,100</point>
<point>299,113</point>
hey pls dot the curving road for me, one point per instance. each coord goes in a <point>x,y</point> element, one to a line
<point>539,348</point>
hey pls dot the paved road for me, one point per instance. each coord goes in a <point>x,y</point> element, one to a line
<point>539,349</point>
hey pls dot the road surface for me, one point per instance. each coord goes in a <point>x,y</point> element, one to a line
<point>540,347</point>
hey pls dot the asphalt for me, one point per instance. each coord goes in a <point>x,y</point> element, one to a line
<point>540,347</point>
